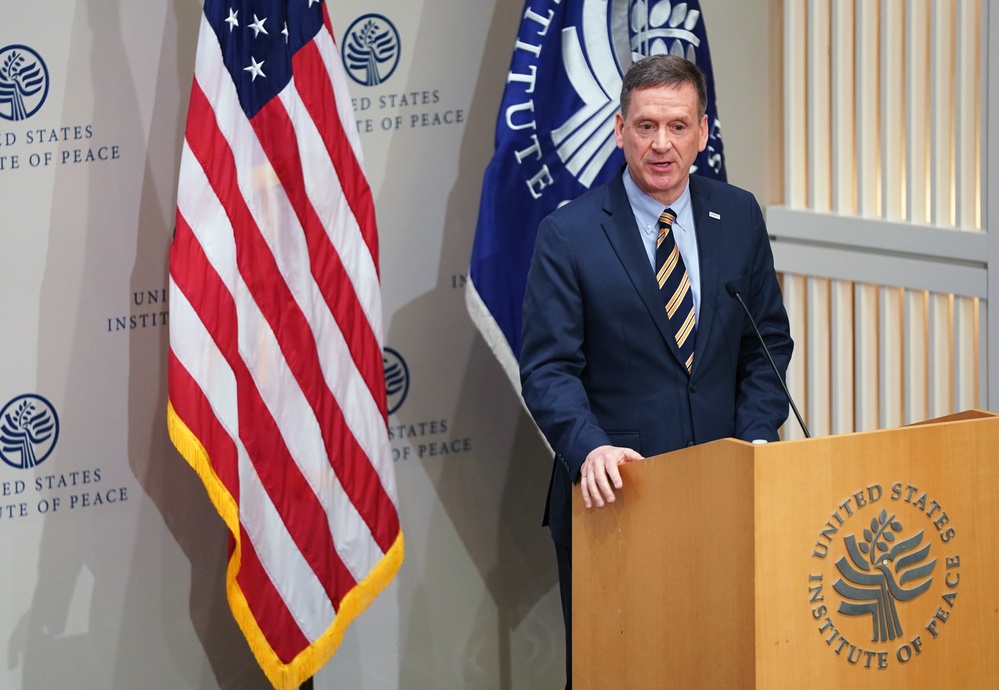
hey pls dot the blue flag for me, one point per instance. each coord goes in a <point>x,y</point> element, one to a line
<point>555,134</point>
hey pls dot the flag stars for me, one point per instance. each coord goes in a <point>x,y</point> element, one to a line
<point>284,32</point>
<point>255,69</point>
<point>231,20</point>
<point>312,2</point>
<point>258,26</point>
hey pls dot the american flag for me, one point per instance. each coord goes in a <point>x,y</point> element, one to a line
<point>276,380</point>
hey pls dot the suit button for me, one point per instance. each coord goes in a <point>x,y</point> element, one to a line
<point>693,388</point>
<point>689,444</point>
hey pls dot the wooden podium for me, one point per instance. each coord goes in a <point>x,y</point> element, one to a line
<point>868,560</point>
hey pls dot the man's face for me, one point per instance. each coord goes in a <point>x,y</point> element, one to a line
<point>661,137</point>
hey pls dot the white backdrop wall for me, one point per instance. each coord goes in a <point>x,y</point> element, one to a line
<point>114,557</point>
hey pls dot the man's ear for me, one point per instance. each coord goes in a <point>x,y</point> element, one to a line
<point>619,130</point>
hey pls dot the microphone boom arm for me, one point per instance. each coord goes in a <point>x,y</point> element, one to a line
<point>733,290</point>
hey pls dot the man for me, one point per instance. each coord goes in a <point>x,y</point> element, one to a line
<point>616,367</point>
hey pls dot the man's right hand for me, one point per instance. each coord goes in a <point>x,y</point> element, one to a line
<point>599,475</point>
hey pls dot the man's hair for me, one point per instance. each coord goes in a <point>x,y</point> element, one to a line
<point>664,70</point>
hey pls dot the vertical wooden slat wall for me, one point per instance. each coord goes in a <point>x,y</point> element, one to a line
<point>883,113</point>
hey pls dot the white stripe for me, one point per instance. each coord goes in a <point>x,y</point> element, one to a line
<point>338,78</point>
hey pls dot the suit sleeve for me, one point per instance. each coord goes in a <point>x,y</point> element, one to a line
<point>761,406</point>
<point>552,358</point>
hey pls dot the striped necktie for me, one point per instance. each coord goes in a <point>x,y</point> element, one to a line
<point>674,286</point>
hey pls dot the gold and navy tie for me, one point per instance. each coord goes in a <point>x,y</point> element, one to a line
<point>674,286</point>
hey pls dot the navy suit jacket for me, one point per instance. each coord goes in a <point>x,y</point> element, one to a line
<point>599,363</point>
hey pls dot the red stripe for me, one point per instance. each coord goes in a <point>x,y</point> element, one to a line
<point>193,408</point>
<point>293,498</point>
<point>267,606</point>
<point>359,479</point>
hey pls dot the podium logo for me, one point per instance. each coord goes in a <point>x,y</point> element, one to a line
<point>371,49</point>
<point>29,431</point>
<point>873,577</point>
<point>891,592</point>
<point>24,82</point>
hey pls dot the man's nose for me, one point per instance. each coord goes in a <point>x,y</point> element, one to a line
<point>662,141</point>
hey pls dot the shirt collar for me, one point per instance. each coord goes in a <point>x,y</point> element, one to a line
<point>646,209</point>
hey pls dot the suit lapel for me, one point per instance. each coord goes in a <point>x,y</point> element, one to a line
<point>708,251</point>
<point>623,234</point>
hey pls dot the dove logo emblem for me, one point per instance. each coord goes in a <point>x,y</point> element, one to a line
<point>396,378</point>
<point>29,431</point>
<point>24,82</point>
<point>887,577</point>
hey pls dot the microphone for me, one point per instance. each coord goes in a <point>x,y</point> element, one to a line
<point>732,288</point>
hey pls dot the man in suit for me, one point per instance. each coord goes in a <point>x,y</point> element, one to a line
<point>632,346</point>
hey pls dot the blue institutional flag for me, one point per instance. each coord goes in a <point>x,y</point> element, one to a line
<point>555,134</point>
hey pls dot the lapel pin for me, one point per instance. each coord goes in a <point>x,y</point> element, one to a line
<point>714,215</point>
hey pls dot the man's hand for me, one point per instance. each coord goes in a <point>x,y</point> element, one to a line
<point>599,475</point>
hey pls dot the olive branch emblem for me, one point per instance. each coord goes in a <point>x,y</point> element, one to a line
<point>368,47</point>
<point>869,581</point>
<point>25,428</point>
<point>19,79</point>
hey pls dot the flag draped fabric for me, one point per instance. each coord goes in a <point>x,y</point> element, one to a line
<point>276,378</point>
<point>555,134</point>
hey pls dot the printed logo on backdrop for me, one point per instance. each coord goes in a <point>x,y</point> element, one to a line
<point>889,577</point>
<point>29,434</point>
<point>24,82</point>
<point>372,51</point>
<point>29,431</point>
<point>24,88</point>
<point>396,379</point>
<point>424,439</point>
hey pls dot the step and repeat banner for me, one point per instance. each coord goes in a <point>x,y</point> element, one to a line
<point>114,558</point>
